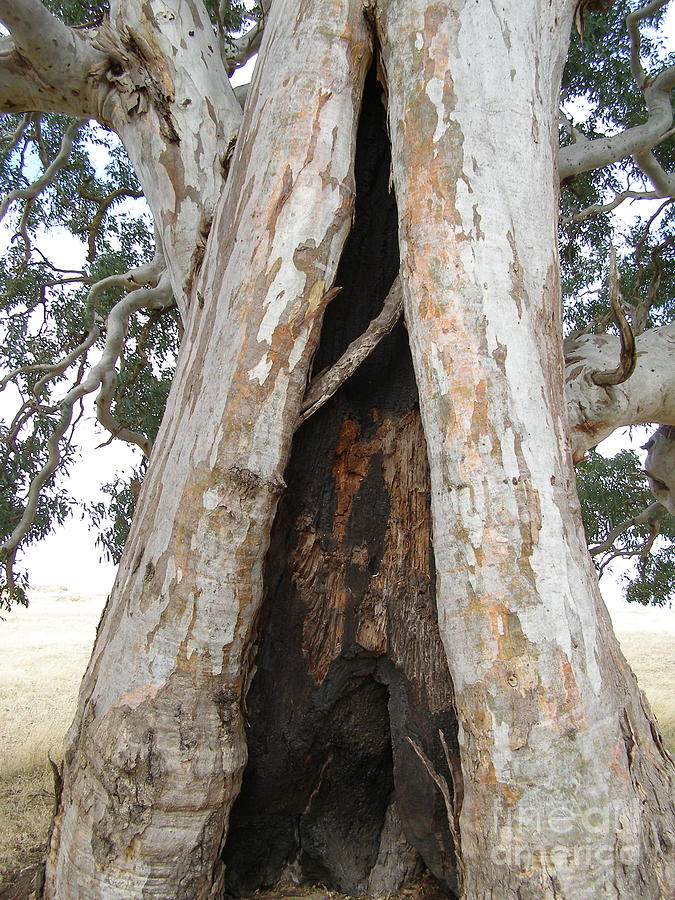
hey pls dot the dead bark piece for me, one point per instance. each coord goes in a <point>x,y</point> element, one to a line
<point>322,388</point>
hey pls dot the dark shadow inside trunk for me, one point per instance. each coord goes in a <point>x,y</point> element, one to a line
<point>350,664</point>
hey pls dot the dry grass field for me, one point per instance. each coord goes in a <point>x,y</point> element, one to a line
<point>43,653</point>
<point>44,650</point>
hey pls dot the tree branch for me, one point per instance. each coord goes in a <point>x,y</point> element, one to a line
<point>243,48</point>
<point>46,64</point>
<point>652,168</point>
<point>651,516</point>
<point>594,411</point>
<point>327,383</point>
<point>627,357</point>
<point>103,375</point>
<point>594,154</point>
<point>103,207</point>
<point>599,208</point>
<point>660,466</point>
<point>31,192</point>
<point>584,155</point>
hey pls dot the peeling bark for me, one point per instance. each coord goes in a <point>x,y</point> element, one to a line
<point>526,637</point>
<point>164,89</point>
<point>155,757</point>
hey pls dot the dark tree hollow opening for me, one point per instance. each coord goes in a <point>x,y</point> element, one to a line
<point>350,664</point>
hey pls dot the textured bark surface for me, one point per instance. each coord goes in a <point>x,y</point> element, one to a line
<point>350,662</point>
<point>551,807</point>
<point>154,759</point>
<point>163,88</point>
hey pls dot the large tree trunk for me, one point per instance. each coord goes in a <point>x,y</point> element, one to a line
<point>566,790</point>
<point>154,758</point>
<point>430,615</point>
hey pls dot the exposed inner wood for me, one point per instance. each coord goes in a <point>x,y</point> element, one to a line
<point>350,664</point>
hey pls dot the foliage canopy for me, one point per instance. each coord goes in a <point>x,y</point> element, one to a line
<point>63,178</point>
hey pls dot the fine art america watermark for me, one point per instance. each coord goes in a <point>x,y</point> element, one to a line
<point>579,830</point>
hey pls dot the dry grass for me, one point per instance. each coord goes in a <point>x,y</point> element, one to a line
<point>44,652</point>
<point>45,649</point>
<point>647,638</point>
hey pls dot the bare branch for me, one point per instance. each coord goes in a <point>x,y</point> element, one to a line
<point>633,20</point>
<point>46,64</point>
<point>56,369</point>
<point>103,207</point>
<point>103,375</point>
<point>651,516</point>
<point>32,191</point>
<point>641,307</point>
<point>599,208</point>
<point>584,155</point>
<point>652,168</point>
<point>9,547</point>
<point>628,358</point>
<point>595,411</point>
<point>453,803</point>
<point>660,466</point>
<point>326,384</point>
<point>246,46</point>
<point>13,140</point>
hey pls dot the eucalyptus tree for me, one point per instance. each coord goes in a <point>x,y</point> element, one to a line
<point>355,630</point>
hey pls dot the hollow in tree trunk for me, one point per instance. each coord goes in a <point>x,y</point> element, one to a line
<point>395,606</point>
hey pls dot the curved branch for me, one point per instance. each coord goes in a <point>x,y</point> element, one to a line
<point>599,208</point>
<point>9,547</point>
<point>627,358</point>
<point>13,140</point>
<point>594,154</point>
<point>651,516</point>
<point>103,207</point>
<point>633,20</point>
<point>652,168</point>
<point>52,370</point>
<point>103,374</point>
<point>160,297</point>
<point>31,192</point>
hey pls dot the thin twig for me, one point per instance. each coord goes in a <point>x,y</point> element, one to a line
<point>649,516</point>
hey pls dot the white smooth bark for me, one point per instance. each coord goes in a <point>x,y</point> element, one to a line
<point>45,64</point>
<point>543,695</point>
<point>660,466</point>
<point>595,411</point>
<point>175,111</point>
<point>154,760</point>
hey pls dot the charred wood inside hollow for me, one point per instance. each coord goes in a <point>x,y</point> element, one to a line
<point>350,665</point>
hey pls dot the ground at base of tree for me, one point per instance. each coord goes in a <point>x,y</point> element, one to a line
<point>19,884</point>
<point>45,651</point>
